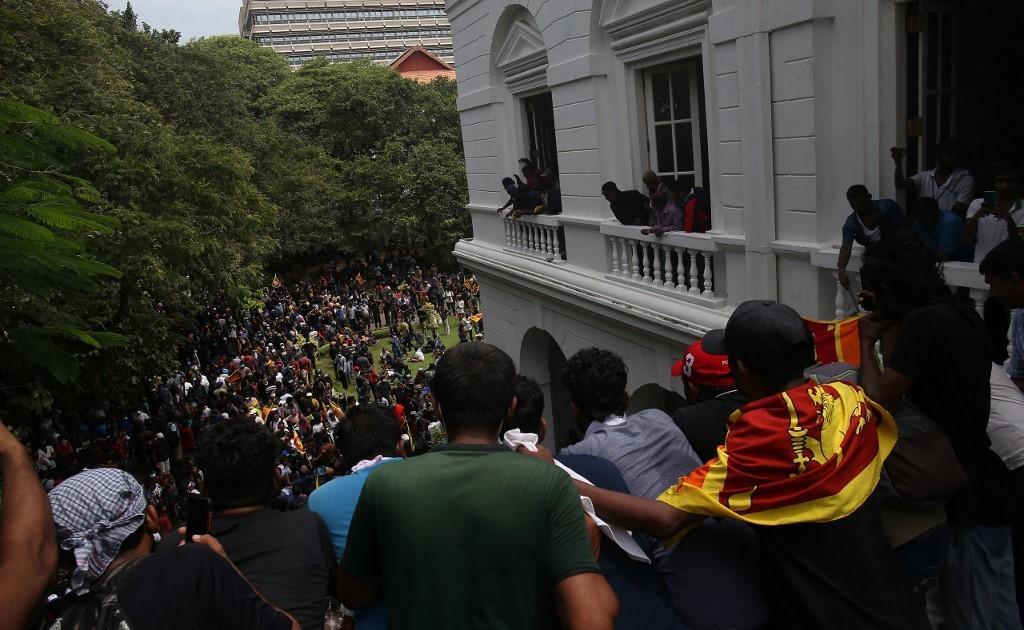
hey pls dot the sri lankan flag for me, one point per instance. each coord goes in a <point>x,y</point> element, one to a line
<point>836,340</point>
<point>810,454</point>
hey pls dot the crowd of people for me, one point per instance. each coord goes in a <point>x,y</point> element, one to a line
<point>789,491</point>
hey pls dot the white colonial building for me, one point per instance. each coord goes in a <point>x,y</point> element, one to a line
<point>775,106</point>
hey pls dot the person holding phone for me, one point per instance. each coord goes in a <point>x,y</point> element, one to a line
<point>999,214</point>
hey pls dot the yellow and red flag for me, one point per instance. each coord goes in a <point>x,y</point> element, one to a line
<point>276,282</point>
<point>813,453</point>
<point>299,446</point>
<point>836,340</point>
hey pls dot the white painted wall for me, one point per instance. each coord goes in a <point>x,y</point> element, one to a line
<point>802,100</point>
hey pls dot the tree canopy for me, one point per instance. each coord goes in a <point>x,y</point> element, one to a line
<point>150,178</point>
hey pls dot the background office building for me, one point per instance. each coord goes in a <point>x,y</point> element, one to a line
<point>345,30</point>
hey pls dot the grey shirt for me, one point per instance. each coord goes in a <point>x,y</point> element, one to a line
<point>647,447</point>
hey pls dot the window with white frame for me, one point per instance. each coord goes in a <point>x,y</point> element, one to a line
<point>675,126</point>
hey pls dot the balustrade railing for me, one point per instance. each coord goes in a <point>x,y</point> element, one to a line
<point>677,263</point>
<point>538,237</point>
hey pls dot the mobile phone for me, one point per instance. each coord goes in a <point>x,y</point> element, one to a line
<point>990,199</point>
<point>200,517</point>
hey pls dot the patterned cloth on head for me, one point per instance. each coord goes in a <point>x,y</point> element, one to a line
<point>94,512</point>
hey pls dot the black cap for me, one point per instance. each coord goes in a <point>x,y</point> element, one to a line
<point>760,326</point>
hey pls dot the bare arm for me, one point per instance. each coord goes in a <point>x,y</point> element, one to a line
<point>845,251</point>
<point>888,387</point>
<point>28,544</point>
<point>648,516</point>
<point>586,602</point>
<point>902,183</point>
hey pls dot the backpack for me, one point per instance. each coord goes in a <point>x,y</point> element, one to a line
<point>97,609</point>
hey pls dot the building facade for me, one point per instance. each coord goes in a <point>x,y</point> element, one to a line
<point>775,106</point>
<point>419,64</point>
<point>346,30</point>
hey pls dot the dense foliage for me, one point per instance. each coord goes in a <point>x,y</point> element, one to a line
<point>179,174</point>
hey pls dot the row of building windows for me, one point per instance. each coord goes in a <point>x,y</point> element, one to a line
<point>379,55</point>
<point>353,36</point>
<point>342,16</point>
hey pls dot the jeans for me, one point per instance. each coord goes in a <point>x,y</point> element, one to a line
<point>978,589</point>
<point>921,560</point>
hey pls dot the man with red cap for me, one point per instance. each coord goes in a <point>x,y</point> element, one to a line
<point>712,396</point>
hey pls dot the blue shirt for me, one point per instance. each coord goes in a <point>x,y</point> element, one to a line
<point>946,237</point>
<point>890,216</point>
<point>335,502</point>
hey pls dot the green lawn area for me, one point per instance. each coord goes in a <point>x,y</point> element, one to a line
<point>323,362</point>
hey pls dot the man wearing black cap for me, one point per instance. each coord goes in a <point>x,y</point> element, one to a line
<point>799,464</point>
<point>713,396</point>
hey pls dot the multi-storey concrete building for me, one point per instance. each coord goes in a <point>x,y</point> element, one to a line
<point>775,106</point>
<point>344,30</point>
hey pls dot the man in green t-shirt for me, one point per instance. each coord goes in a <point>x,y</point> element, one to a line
<point>471,535</point>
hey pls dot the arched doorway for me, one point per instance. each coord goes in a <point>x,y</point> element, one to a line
<point>654,396</point>
<point>541,359</point>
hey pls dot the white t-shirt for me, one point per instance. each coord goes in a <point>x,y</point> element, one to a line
<point>1006,419</point>
<point>958,187</point>
<point>991,229</point>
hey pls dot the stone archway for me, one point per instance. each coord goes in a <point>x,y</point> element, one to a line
<point>542,359</point>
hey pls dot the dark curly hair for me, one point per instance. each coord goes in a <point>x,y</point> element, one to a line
<point>237,458</point>
<point>596,380</point>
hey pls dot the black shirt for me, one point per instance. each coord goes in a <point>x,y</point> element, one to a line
<point>286,556</point>
<point>192,587</point>
<point>630,208</point>
<point>705,423</point>
<point>944,350</point>
<point>837,575</point>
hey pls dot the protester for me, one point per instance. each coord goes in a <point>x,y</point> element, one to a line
<point>1003,269</point>
<point>643,598</point>
<point>950,185</point>
<point>826,565</point>
<point>941,231</point>
<point>482,507</point>
<point>368,439</point>
<point>938,356</point>
<point>28,554</point>
<point>286,556</point>
<point>629,207</point>
<point>106,531</point>
<point>990,222</point>
<point>867,224</point>
<point>667,216</point>
<point>712,396</point>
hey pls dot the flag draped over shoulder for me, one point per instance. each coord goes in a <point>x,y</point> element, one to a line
<point>836,341</point>
<point>813,453</point>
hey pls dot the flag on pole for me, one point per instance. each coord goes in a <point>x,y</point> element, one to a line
<point>276,282</point>
<point>836,341</point>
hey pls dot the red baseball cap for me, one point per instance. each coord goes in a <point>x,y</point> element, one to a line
<point>702,368</point>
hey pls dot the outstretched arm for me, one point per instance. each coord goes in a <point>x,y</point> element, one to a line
<point>28,545</point>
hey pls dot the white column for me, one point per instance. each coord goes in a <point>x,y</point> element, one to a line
<point>634,258</point>
<point>613,243</point>
<point>680,270</point>
<point>694,288</point>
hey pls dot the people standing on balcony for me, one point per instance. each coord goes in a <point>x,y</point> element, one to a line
<point>992,219</point>
<point>628,206</point>
<point>507,544</point>
<point>949,184</point>
<point>712,396</point>
<point>655,184</point>
<point>942,231</point>
<point>937,355</point>
<point>667,217</point>
<point>997,217</point>
<point>869,221</point>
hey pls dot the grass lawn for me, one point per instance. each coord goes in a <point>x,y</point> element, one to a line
<point>323,362</point>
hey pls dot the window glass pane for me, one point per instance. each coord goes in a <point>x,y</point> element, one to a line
<point>684,146</point>
<point>663,144</point>
<point>680,94</point>
<point>660,91</point>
